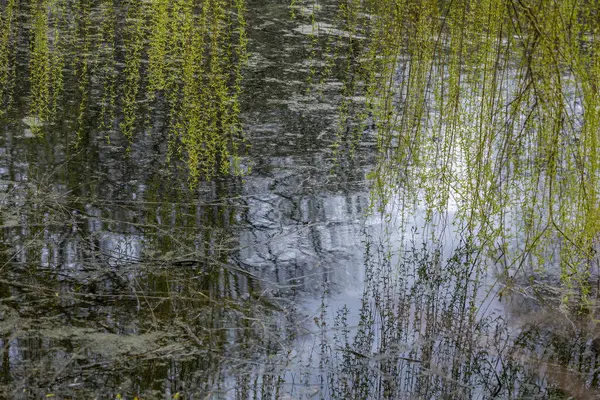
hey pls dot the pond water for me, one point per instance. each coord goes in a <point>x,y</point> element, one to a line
<point>122,277</point>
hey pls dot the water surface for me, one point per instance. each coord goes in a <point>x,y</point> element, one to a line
<point>124,275</point>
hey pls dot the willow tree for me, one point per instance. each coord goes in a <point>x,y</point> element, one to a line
<point>209,49</point>
<point>7,34</point>
<point>491,108</point>
<point>130,68</point>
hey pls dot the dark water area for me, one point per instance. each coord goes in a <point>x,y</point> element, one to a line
<point>121,277</point>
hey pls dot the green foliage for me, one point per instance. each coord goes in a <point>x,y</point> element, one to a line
<point>134,45</point>
<point>107,70</point>
<point>489,108</point>
<point>211,47</point>
<point>39,64</point>
<point>157,47</point>
<point>7,26</point>
<point>128,63</point>
<point>46,62</point>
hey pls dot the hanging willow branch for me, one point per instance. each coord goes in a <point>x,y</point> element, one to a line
<point>131,67</point>
<point>489,107</point>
